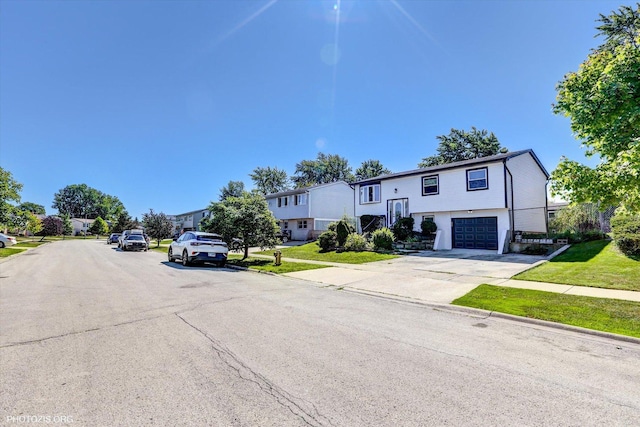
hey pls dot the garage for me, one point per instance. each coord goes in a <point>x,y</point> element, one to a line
<point>475,233</point>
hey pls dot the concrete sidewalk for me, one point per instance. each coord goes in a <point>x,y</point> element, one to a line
<point>441,277</point>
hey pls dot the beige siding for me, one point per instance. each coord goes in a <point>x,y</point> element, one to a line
<point>529,196</point>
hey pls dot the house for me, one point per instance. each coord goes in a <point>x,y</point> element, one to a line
<point>189,221</point>
<point>476,204</point>
<point>307,212</point>
<point>81,226</point>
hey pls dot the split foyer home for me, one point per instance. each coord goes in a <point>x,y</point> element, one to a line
<point>307,212</point>
<point>189,221</point>
<point>476,204</point>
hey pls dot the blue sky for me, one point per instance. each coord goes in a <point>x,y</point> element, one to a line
<point>162,103</point>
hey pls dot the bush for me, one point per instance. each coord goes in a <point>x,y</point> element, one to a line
<point>403,228</point>
<point>626,233</point>
<point>355,243</point>
<point>328,241</point>
<point>342,229</point>
<point>382,239</point>
<point>370,223</point>
<point>428,226</point>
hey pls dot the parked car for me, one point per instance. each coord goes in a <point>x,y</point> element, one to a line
<point>134,242</point>
<point>7,240</point>
<point>198,246</point>
<point>124,235</point>
<point>113,238</point>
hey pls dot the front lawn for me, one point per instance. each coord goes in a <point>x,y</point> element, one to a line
<point>598,264</point>
<point>601,314</point>
<point>311,251</point>
<point>7,252</point>
<point>263,264</point>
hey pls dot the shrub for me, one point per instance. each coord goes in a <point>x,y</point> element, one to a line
<point>370,223</point>
<point>403,228</point>
<point>428,226</point>
<point>382,239</point>
<point>328,241</point>
<point>342,229</point>
<point>626,233</point>
<point>355,243</point>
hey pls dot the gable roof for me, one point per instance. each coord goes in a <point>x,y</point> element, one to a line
<point>455,165</point>
<point>303,189</point>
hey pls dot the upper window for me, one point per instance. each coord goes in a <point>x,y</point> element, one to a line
<point>301,199</point>
<point>370,193</point>
<point>283,201</point>
<point>430,185</point>
<point>477,179</point>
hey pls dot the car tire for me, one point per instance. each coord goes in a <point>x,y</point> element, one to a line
<point>170,255</point>
<point>124,248</point>
<point>1,244</point>
<point>285,239</point>
<point>222,264</point>
<point>185,259</point>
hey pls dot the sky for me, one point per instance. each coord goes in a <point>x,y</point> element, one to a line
<point>162,103</point>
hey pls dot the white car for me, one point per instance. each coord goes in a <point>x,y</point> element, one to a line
<point>134,242</point>
<point>7,240</point>
<point>197,246</point>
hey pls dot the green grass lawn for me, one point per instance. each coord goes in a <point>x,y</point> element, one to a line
<point>263,264</point>
<point>598,264</point>
<point>311,251</point>
<point>6,252</point>
<point>29,244</point>
<point>601,314</point>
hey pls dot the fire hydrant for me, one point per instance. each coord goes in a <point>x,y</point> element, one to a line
<point>278,256</point>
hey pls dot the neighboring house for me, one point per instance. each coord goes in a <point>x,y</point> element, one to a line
<point>189,221</point>
<point>476,204</point>
<point>554,207</point>
<point>307,212</point>
<point>81,225</point>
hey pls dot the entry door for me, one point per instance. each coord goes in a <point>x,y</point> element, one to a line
<point>397,208</point>
<point>475,233</point>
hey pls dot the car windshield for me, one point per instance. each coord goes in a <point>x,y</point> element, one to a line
<point>135,237</point>
<point>208,237</point>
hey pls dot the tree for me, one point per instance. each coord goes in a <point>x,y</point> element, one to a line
<point>370,169</point>
<point>247,217</point>
<point>233,189</point>
<point>325,169</point>
<point>123,222</point>
<point>463,145</point>
<point>32,207</point>
<point>99,227</point>
<point>67,226</point>
<point>157,225</point>
<point>82,201</point>
<point>9,191</point>
<point>51,226</point>
<point>34,224</point>
<point>601,99</point>
<point>269,180</point>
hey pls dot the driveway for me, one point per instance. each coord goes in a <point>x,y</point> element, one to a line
<point>438,277</point>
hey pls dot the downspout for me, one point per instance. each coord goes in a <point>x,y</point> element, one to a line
<point>511,214</point>
<point>353,187</point>
<point>546,206</point>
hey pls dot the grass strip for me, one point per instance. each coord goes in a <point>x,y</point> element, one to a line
<point>600,314</point>
<point>7,252</point>
<point>262,264</point>
<point>311,251</point>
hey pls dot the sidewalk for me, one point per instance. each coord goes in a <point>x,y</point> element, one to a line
<point>440,277</point>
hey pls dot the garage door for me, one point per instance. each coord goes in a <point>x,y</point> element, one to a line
<point>475,233</point>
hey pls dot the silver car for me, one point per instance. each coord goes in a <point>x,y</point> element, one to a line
<point>134,242</point>
<point>198,246</point>
<point>7,240</point>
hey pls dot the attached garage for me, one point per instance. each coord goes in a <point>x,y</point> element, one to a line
<point>475,233</point>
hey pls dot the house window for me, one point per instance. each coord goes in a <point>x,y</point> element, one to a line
<point>285,225</point>
<point>477,179</point>
<point>429,218</point>
<point>430,185</point>
<point>370,194</point>
<point>283,201</point>
<point>302,223</point>
<point>301,199</point>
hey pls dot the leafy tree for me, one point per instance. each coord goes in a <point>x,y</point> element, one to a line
<point>9,191</point>
<point>99,227</point>
<point>157,225</point>
<point>232,189</point>
<point>32,207</point>
<point>34,224</point>
<point>247,217</point>
<point>463,145</point>
<point>269,180</point>
<point>67,226</point>
<point>325,169</point>
<point>51,226</point>
<point>18,220</point>
<point>82,201</point>
<point>370,169</point>
<point>602,101</point>
<point>123,222</point>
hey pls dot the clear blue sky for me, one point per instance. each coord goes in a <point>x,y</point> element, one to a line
<point>162,103</point>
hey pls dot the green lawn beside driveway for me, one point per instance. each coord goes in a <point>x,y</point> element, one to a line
<point>598,264</point>
<point>263,264</point>
<point>311,251</point>
<point>601,314</point>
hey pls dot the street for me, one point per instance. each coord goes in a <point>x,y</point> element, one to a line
<point>104,337</point>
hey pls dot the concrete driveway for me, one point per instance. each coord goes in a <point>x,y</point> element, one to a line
<point>438,277</point>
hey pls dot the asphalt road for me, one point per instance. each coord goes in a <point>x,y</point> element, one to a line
<point>100,337</point>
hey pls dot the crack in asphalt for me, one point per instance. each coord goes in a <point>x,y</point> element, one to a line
<point>310,416</point>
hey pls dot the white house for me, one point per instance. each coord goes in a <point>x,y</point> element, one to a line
<point>476,204</point>
<point>81,225</point>
<point>307,212</point>
<point>189,221</point>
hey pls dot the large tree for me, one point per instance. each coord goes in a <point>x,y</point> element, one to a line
<point>157,225</point>
<point>34,208</point>
<point>269,180</point>
<point>51,226</point>
<point>99,227</point>
<point>9,192</point>
<point>82,201</point>
<point>370,169</point>
<point>232,189</point>
<point>247,217</point>
<point>463,145</point>
<point>122,222</point>
<point>324,169</point>
<point>602,99</point>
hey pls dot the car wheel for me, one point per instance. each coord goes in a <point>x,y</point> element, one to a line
<point>1,244</point>
<point>185,259</point>
<point>124,248</point>
<point>170,255</point>
<point>221,264</point>
<point>285,239</point>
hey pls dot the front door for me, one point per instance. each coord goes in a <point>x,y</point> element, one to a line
<point>397,208</point>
